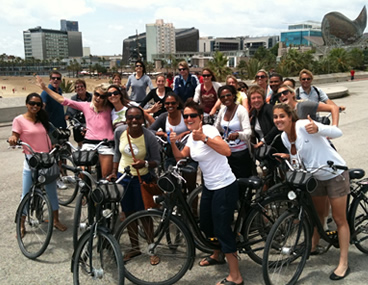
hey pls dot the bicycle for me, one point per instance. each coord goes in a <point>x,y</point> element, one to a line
<point>288,244</point>
<point>169,233</point>
<point>35,211</point>
<point>97,256</point>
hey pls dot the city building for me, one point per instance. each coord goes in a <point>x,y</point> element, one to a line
<point>251,44</point>
<point>160,38</point>
<point>134,47</point>
<point>71,26</point>
<point>302,34</point>
<point>43,44</point>
<point>186,40</point>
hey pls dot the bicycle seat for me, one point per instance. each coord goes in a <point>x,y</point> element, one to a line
<point>253,181</point>
<point>356,173</point>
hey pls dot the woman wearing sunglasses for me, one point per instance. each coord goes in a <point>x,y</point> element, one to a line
<point>98,122</point>
<point>139,82</point>
<point>220,189</point>
<point>32,128</point>
<point>261,79</point>
<point>233,122</point>
<point>158,96</point>
<point>206,92</point>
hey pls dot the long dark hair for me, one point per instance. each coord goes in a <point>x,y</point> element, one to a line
<point>41,115</point>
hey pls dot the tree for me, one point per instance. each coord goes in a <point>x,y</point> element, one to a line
<point>356,58</point>
<point>339,60</point>
<point>219,66</point>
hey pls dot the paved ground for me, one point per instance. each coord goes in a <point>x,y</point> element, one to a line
<point>53,267</point>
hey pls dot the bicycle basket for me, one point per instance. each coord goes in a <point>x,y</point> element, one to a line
<point>167,182</point>
<point>41,160</point>
<point>107,192</point>
<point>301,180</point>
<point>85,157</point>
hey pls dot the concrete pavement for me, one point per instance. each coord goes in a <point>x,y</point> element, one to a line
<point>53,267</point>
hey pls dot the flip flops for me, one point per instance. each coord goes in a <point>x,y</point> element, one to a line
<point>227,282</point>
<point>211,261</point>
<point>131,254</point>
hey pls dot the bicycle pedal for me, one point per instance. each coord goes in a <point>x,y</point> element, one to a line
<point>213,239</point>
<point>329,233</point>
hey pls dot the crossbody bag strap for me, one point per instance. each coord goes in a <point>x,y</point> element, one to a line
<point>132,152</point>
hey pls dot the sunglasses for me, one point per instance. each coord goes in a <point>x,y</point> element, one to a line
<point>206,75</point>
<point>181,69</point>
<point>194,115</point>
<point>138,65</point>
<point>55,78</point>
<point>100,95</point>
<point>260,76</point>
<point>33,103</point>
<point>307,79</point>
<point>79,86</point>
<point>170,103</point>
<point>131,117</point>
<point>113,93</point>
<point>285,92</point>
<point>226,95</point>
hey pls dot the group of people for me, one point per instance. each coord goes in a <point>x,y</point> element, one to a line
<point>247,118</point>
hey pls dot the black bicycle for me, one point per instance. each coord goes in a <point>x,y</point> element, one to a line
<point>172,233</point>
<point>97,256</point>
<point>289,241</point>
<point>34,216</point>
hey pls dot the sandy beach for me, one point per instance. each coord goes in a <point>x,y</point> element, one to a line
<point>21,86</point>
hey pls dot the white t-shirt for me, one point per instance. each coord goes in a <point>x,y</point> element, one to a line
<point>216,171</point>
<point>232,127</point>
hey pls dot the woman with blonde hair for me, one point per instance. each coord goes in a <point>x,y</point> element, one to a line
<point>98,122</point>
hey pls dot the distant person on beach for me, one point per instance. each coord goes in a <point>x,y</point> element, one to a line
<point>54,110</point>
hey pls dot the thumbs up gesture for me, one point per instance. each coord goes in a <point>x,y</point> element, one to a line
<point>311,127</point>
<point>198,134</point>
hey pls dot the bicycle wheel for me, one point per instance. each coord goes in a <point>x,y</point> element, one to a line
<point>36,213</point>
<point>359,223</point>
<point>81,222</point>
<point>98,259</point>
<point>287,248</point>
<point>70,180</point>
<point>194,202</point>
<point>259,223</point>
<point>172,245</point>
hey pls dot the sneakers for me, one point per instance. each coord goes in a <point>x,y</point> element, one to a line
<point>60,184</point>
<point>68,179</point>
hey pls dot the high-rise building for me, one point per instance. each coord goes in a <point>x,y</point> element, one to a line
<point>160,38</point>
<point>46,43</point>
<point>71,26</point>
<point>302,34</point>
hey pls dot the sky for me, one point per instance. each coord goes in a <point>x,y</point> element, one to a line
<point>106,23</point>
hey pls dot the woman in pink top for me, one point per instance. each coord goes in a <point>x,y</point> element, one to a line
<point>98,122</point>
<point>32,128</point>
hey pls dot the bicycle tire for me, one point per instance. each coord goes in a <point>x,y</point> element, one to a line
<point>175,249</point>
<point>80,222</point>
<point>359,223</point>
<point>259,223</point>
<point>193,201</point>
<point>287,248</point>
<point>38,223</point>
<point>107,260</point>
<point>70,180</point>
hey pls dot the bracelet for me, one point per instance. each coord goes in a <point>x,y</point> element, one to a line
<point>205,140</point>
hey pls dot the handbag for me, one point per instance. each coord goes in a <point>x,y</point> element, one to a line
<point>85,157</point>
<point>107,193</point>
<point>45,165</point>
<point>148,190</point>
<point>51,173</point>
<point>302,180</point>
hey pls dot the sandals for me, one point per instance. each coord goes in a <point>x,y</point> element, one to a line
<point>59,226</point>
<point>211,261</point>
<point>318,250</point>
<point>131,254</point>
<point>154,260</point>
<point>227,282</point>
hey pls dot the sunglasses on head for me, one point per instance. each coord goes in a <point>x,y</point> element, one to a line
<point>181,69</point>
<point>193,115</point>
<point>113,93</point>
<point>33,103</point>
<point>306,79</point>
<point>56,78</point>
<point>226,95</point>
<point>206,75</point>
<point>100,95</point>
<point>285,92</point>
<point>260,76</point>
<point>131,117</point>
<point>170,103</point>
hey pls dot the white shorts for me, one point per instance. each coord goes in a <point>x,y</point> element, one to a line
<point>103,149</point>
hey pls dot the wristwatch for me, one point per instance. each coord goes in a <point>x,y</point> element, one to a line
<point>146,164</point>
<point>205,140</point>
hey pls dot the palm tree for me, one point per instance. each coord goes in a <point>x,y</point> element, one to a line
<point>218,64</point>
<point>339,59</point>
